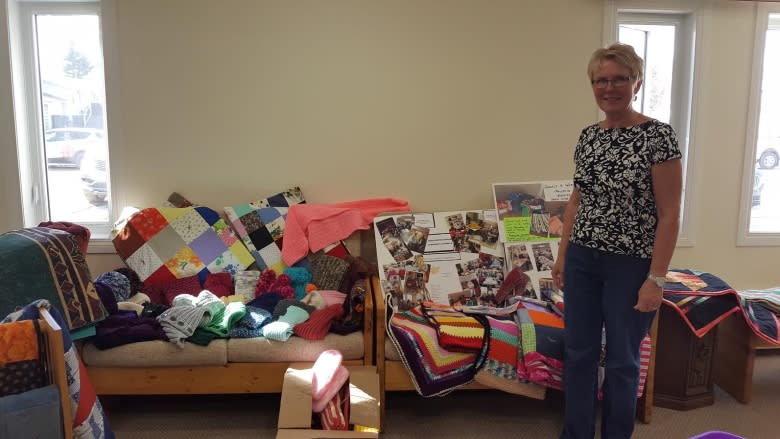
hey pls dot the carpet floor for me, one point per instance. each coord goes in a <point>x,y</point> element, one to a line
<point>461,415</point>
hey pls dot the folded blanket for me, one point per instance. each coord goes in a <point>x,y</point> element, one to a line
<point>432,369</point>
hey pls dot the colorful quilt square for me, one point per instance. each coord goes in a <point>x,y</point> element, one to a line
<point>268,256</point>
<point>243,209</point>
<point>190,225</point>
<point>127,242</point>
<point>241,254</point>
<point>148,222</point>
<point>185,263</point>
<point>161,276</point>
<point>208,246</point>
<point>251,222</point>
<point>240,230</point>
<point>277,200</point>
<point>270,214</point>
<point>276,228</point>
<point>208,215</point>
<point>171,213</point>
<point>225,233</point>
<point>261,238</point>
<point>226,262</point>
<point>166,243</point>
<point>144,261</point>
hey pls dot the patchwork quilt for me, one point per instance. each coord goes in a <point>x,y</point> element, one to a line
<point>260,225</point>
<point>701,299</point>
<point>165,244</point>
<point>761,309</point>
<point>46,263</point>
<point>89,419</point>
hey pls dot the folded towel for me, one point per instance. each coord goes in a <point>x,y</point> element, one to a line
<point>328,377</point>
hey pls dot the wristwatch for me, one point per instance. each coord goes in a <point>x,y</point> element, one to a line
<point>658,280</point>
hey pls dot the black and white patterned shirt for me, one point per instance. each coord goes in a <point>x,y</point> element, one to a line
<point>617,210</point>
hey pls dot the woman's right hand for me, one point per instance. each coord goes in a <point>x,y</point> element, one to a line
<point>557,273</point>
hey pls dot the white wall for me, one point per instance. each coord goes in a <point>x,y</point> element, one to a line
<point>230,101</point>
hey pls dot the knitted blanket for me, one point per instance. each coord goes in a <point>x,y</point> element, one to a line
<point>46,263</point>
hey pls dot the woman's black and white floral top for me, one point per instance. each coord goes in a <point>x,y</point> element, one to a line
<point>617,210</point>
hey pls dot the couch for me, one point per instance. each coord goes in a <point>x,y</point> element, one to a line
<point>239,365</point>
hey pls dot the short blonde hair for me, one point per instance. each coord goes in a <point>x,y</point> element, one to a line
<point>620,53</point>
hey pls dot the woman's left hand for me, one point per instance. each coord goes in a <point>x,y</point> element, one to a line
<point>650,296</point>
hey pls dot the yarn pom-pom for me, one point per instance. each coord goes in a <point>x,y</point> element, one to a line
<point>266,280</point>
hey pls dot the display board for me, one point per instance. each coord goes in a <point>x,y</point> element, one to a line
<point>530,217</point>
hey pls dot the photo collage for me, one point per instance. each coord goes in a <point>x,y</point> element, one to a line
<point>463,257</point>
<point>530,224</point>
<point>445,257</point>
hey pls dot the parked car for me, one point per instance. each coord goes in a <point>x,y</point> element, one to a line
<point>94,177</point>
<point>768,159</point>
<point>67,146</point>
<point>758,187</point>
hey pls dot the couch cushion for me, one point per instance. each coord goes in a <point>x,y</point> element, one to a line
<point>391,352</point>
<point>156,353</point>
<point>263,350</point>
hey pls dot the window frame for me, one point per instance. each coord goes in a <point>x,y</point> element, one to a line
<point>27,112</point>
<point>744,237</point>
<point>684,89</point>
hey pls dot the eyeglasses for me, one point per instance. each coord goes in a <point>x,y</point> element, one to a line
<point>618,81</point>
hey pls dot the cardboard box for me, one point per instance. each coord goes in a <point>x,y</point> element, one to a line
<point>295,406</point>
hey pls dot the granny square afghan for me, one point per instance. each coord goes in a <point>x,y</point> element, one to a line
<point>260,224</point>
<point>164,244</point>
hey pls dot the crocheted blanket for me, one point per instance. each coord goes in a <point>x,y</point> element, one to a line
<point>520,344</point>
<point>432,369</point>
<point>46,263</point>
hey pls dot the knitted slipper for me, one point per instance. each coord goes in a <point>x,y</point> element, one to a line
<point>328,377</point>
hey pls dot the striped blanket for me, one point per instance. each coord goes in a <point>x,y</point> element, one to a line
<point>519,345</point>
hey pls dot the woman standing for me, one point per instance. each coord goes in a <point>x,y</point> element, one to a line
<point>619,232</point>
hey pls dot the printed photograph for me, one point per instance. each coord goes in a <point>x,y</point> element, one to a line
<point>415,238</point>
<point>518,257</point>
<point>457,230</point>
<point>543,255</point>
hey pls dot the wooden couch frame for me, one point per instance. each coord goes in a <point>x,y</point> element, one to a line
<point>55,359</point>
<point>222,379</point>
<point>393,376</point>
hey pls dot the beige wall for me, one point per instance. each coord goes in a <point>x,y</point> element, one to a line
<point>431,101</point>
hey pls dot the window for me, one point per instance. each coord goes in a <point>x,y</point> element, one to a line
<point>665,41</point>
<point>60,113</point>
<point>760,213</point>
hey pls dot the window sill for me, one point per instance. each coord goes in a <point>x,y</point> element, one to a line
<point>101,246</point>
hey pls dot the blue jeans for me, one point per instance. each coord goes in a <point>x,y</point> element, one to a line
<point>600,290</point>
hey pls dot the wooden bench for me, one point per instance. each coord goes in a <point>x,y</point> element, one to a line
<point>735,355</point>
<point>393,376</point>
